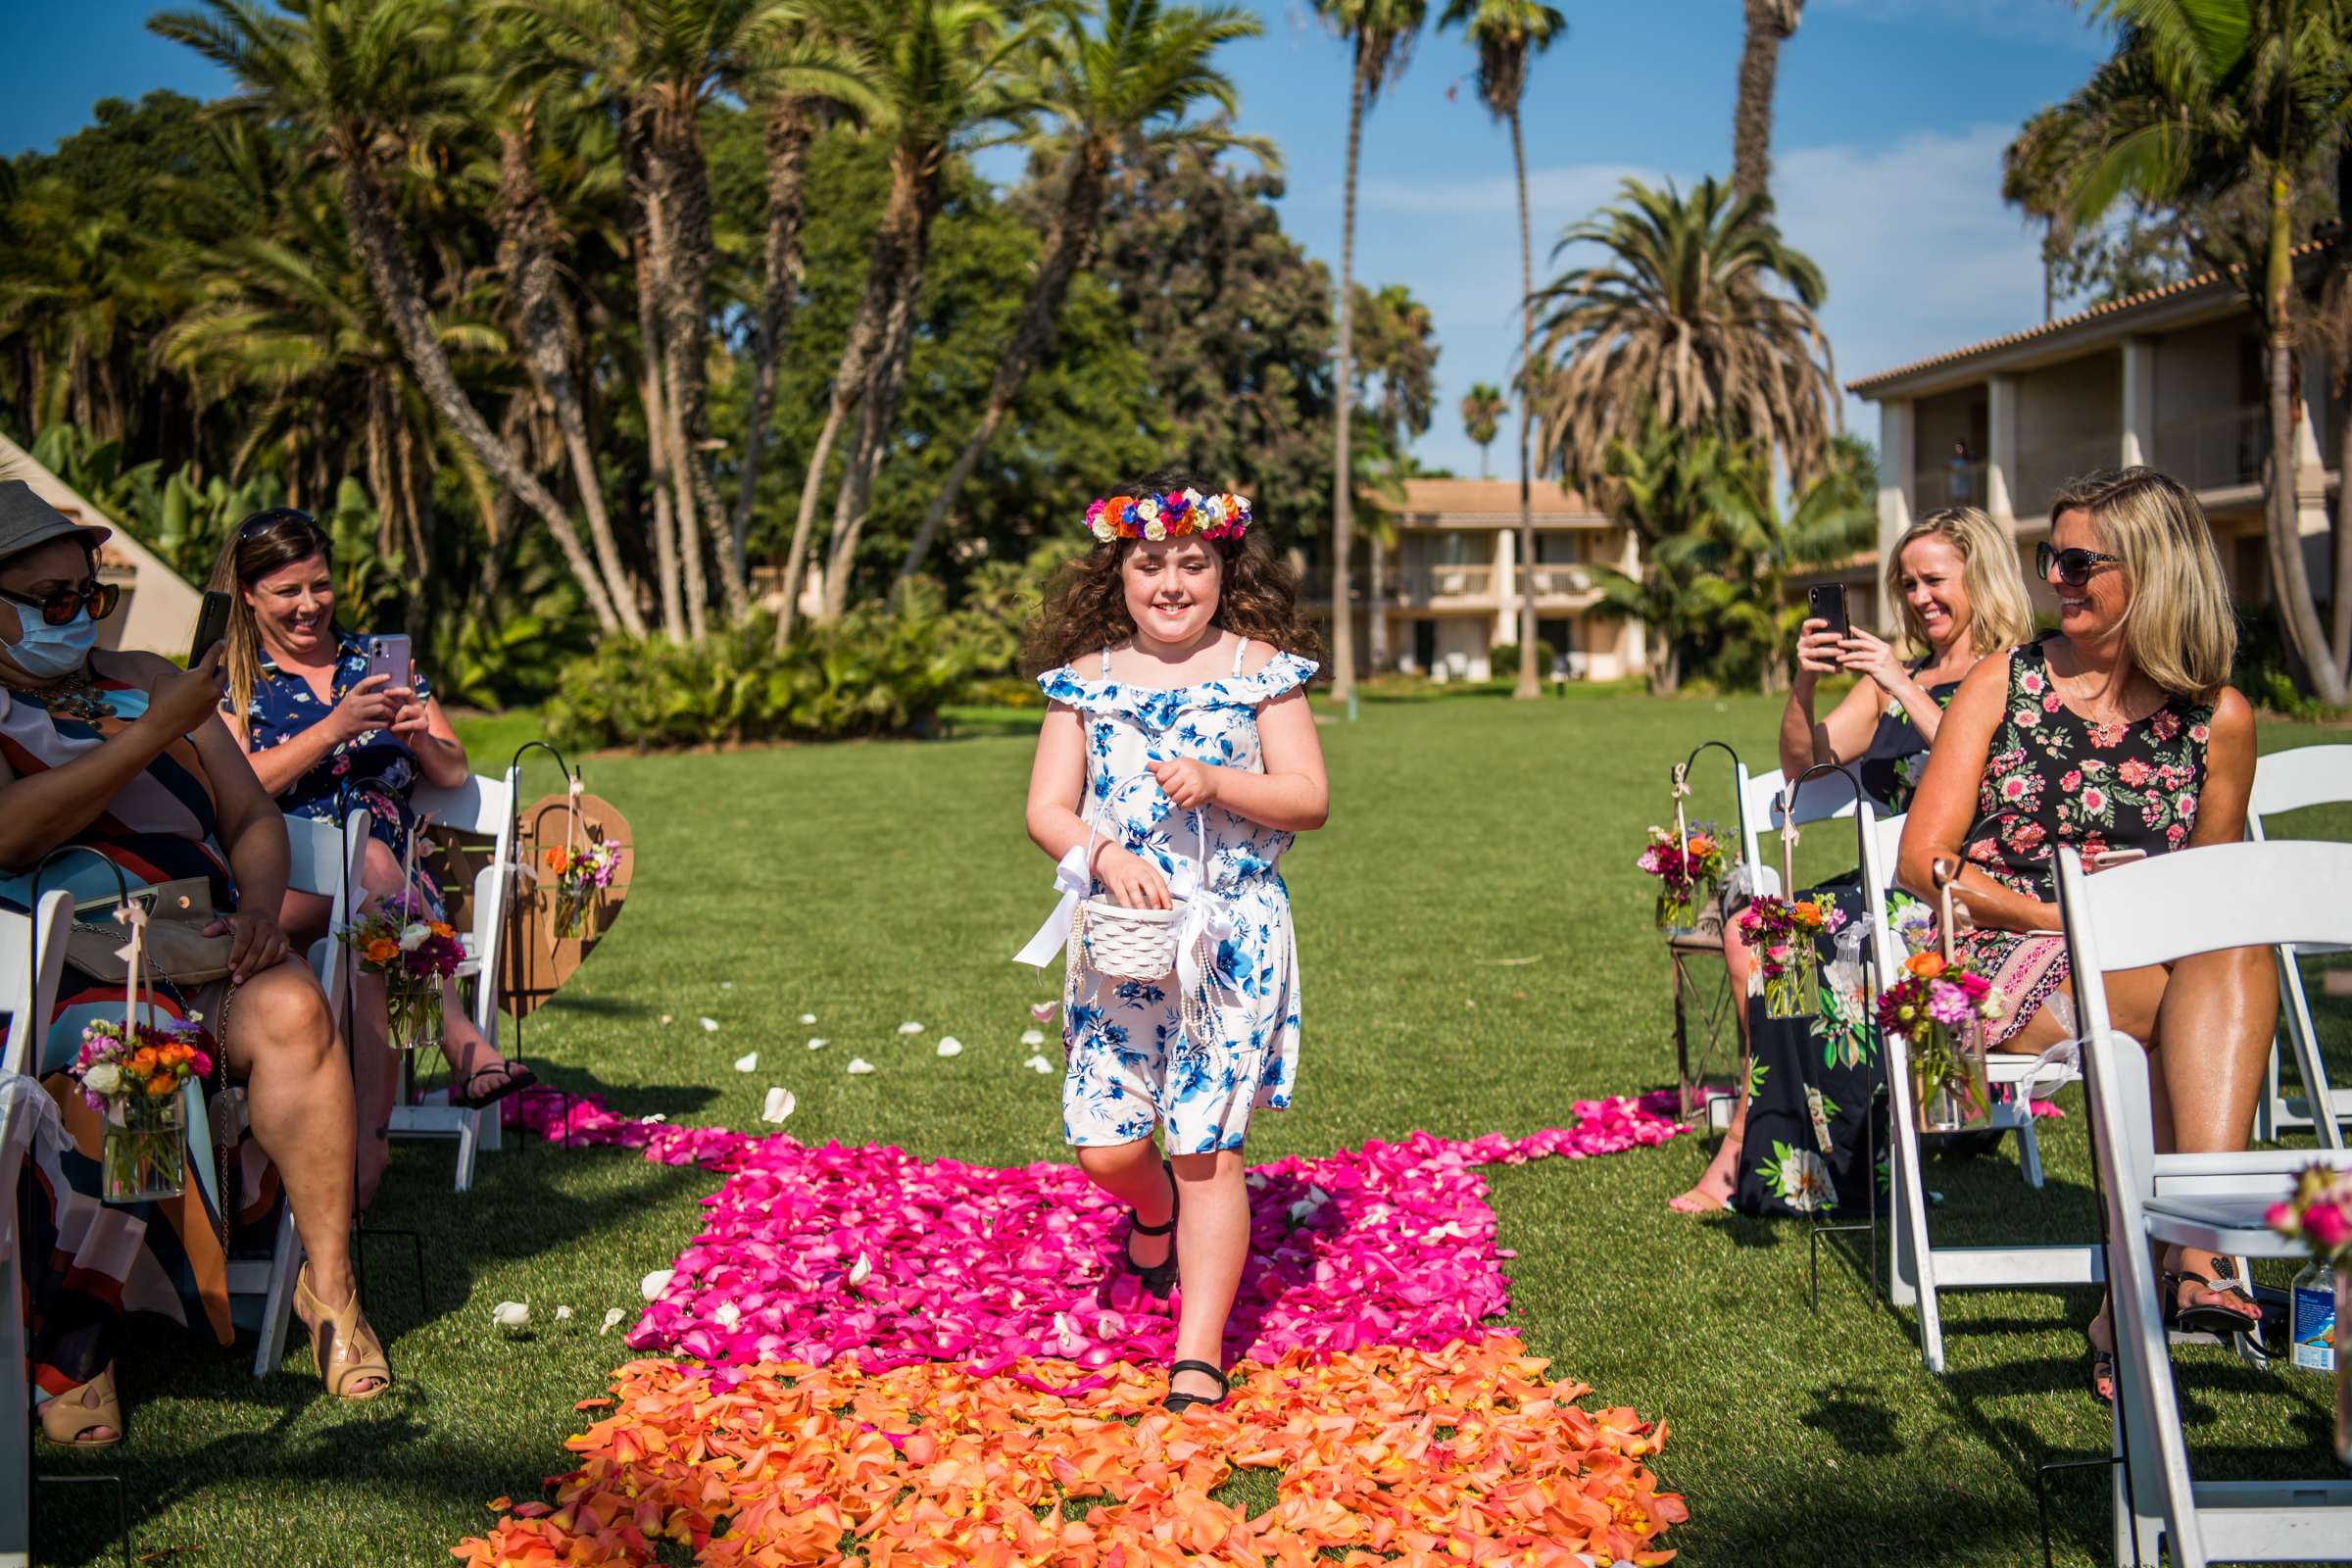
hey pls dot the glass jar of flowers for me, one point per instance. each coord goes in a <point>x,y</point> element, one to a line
<point>1689,869</point>
<point>132,1074</point>
<point>1939,1004</point>
<point>417,955</point>
<point>1781,932</point>
<point>582,873</point>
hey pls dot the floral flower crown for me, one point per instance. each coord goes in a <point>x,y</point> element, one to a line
<point>1173,515</point>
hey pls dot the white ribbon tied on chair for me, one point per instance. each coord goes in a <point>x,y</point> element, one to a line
<point>1071,880</point>
<point>28,1122</point>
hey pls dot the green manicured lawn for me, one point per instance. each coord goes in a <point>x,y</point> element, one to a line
<point>872,884</point>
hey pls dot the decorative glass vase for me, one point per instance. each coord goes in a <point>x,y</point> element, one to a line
<point>1679,912</point>
<point>1795,991</point>
<point>1949,1091</point>
<point>575,907</point>
<point>411,1013</point>
<point>145,1153</point>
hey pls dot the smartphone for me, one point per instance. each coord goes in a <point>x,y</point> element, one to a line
<point>2107,858</point>
<point>212,624</point>
<point>389,655</point>
<point>1826,600</point>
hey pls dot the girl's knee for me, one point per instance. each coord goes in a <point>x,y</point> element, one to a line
<point>1109,1160</point>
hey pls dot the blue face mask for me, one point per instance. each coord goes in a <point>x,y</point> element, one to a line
<point>46,651</point>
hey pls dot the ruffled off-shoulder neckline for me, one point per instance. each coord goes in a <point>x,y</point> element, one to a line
<point>1284,673</point>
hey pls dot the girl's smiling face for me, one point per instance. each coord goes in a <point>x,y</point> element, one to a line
<point>1173,588</point>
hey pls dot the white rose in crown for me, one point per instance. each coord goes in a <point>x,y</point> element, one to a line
<point>1192,498</point>
<point>1146,511</point>
<point>1105,529</point>
<point>1155,529</point>
<point>103,1080</point>
<point>1213,509</point>
<point>413,937</point>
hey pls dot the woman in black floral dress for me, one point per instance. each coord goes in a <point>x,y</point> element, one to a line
<point>2117,734</point>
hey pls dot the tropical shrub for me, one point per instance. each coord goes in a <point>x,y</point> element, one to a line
<point>1504,660</point>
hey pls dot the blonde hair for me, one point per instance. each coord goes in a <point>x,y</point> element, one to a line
<point>2179,628</point>
<point>1999,615</point>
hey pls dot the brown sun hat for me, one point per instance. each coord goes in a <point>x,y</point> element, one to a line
<point>26,520</point>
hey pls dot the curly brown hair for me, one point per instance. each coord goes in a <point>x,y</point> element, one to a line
<point>1084,607</point>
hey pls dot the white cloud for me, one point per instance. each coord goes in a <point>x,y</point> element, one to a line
<point>2056,22</point>
<point>1575,191</point>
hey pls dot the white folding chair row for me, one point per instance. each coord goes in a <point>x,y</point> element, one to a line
<point>2292,781</point>
<point>1824,798</point>
<point>482,808</point>
<point>2157,911</point>
<point>1920,1268</point>
<point>31,966</point>
<point>324,861</point>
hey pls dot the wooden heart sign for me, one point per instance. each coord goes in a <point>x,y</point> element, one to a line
<point>551,926</point>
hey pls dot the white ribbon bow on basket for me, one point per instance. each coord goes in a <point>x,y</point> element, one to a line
<point>1071,880</point>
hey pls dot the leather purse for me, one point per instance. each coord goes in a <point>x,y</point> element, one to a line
<point>177,952</point>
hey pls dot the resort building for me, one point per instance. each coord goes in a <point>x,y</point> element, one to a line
<point>2171,378</point>
<point>1444,591</point>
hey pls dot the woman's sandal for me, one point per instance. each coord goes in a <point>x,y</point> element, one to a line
<point>1177,1403</point>
<point>1159,1278</point>
<point>346,1348</point>
<point>2208,1317</point>
<point>519,1078</point>
<point>95,1404</point>
<point>2102,1375</point>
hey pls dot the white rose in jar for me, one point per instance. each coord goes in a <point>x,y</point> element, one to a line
<point>412,937</point>
<point>103,1080</point>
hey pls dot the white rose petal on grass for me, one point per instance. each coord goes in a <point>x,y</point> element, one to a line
<point>1043,1011</point>
<point>808,1017</point>
<point>667,1020</point>
<point>512,1314</point>
<point>726,985</point>
<point>818,1041</point>
<point>613,1320</point>
<point>1033,1037</point>
<point>1037,1064</point>
<point>652,1285</point>
<point>950,1046</point>
<point>562,1314</point>
<point>860,1064</point>
<point>911,1028</point>
<point>710,1026</point>
<point>749,1061</point>
<point>780,1104</point>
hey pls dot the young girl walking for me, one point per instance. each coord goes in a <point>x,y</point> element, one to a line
<point>1177,759</point>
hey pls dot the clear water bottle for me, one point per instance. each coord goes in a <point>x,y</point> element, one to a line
<point>2313,1325</point>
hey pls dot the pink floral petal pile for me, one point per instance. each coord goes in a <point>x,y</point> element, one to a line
<point>807,1252</point>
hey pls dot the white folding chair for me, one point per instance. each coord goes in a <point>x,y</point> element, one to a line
<point>324,859</point>
<point>1824,797</point>
<point>2153,912</point>
<point>482,808</point>
<point>29,969</point>
<point>1921,1268</point>
<point>2289,781</point>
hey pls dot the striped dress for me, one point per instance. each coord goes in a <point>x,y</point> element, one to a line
<point>88,1264</point>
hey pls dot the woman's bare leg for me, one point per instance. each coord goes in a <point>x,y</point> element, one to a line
<point>1212,1242</point>
<point>282,1043</point>
<point>1713,1188</point>
<point>1131,1173</point>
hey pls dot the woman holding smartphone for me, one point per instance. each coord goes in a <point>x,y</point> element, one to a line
<point>2116,737</point>
<point>328,735</point>
<point>1955,578</point>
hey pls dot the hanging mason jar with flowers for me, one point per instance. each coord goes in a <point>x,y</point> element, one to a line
<point>581,876</point>
<point>1689,868</point>
<point>1940,1006</point>
<point>417,955</point>
<point>1781,933</point>
<point>134,1080</point>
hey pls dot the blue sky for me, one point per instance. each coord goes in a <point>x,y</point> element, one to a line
<point>1891,116</point>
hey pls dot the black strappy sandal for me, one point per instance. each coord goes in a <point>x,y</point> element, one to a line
<point>2102,1371</point>
<point>1177,1403</point>
<point>2210,1318</point>
<point>1159,1278</point>
<point>519,1078</point>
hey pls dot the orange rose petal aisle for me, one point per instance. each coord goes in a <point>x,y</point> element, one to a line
<point>1461,1454</point>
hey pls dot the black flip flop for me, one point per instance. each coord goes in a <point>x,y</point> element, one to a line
<point>2207,1317</point>
<point>518,1077</point>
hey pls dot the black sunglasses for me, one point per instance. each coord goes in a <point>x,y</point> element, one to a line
<point>59,607</point>
<point>2074,566</point>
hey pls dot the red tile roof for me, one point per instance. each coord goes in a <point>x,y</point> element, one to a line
<point>1488,498</point>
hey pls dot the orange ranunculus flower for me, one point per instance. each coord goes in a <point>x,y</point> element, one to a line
<point>1701,844</point>
<point>1806,910</point>
<point>1926,965</point>
<point>142,1062</point>
<point>383,950</point>
<point>161,1084</point>
<point>559,860</point>
<point>443,930</point>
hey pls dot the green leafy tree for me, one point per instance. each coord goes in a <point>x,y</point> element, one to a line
<point>1396,345</point>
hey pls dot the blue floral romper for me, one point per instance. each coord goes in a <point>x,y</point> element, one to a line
<point>1131,1062</point>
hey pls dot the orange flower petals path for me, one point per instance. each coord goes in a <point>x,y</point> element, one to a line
<point>1463,1453</point>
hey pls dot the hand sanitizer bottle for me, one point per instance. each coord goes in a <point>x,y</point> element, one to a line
<point>2313,1325</point>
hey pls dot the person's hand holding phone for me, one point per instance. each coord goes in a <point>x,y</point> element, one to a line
<point>368,706</point>
<point>186,698</point>
<point>409,717</point>
<point>1865,654</point>
<point>1820,650</point>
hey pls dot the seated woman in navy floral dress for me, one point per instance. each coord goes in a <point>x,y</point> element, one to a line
<point>327,738</point>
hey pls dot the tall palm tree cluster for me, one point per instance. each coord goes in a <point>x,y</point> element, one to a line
<point>488,240</point>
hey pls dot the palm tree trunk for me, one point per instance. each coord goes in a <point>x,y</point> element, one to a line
<point>528,228</point>
<point>383,251</point>
<point>1376,591</point>
<point>1068,245</point>
<point>875,418</point>
<point>1343,398</point>
<point>1530,682</point>
<point>2290,581</point>
<point>686,258</point>
<point>1752,115</point>
<point>644,202</point>
<point>791,127</point>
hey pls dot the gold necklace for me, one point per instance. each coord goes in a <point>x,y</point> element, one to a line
<point>79,697</point>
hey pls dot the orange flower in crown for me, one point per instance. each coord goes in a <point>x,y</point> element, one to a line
<point>1175,516</point>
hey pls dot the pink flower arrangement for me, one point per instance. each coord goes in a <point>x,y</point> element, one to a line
<point>150,1063</point>
<point>1935,1007</point>
<point>2319,1214</point>
<point>1688,870</point>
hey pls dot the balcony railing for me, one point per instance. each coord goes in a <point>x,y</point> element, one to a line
<point>1951,484</point>
<point>1427,585</point>
<point>2213,451</point>
<point>1562,582</point>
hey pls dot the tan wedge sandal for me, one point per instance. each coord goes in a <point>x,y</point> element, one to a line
<point>346,1348</point>
<point>94,1405</point>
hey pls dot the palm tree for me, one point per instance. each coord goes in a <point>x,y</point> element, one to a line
<point>1482,409</point>
<point>360,77</point>
<point>1382,33</point>
<point>1131,86</point>
<point>1397,341</point>
<point>2202,99</point>
<point>1658,479</point>
<point>1748,541</point>
<point>946,82</point>
<point>1507,32</point>
<point>1770,22</point>
<point>71,272</point>
<point>1683,321</point>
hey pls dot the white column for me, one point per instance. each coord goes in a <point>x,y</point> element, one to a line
<point>1633,638</point>
<point>2140,401</point>
<point>1899,429</point>
<point>2000,450</point>
<point>1506,587</point>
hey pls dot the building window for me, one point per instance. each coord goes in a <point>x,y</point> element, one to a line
<point>1425,646</point>
<point>1557,548</point>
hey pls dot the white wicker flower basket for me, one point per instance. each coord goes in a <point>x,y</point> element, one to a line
<point>1124,944</point>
